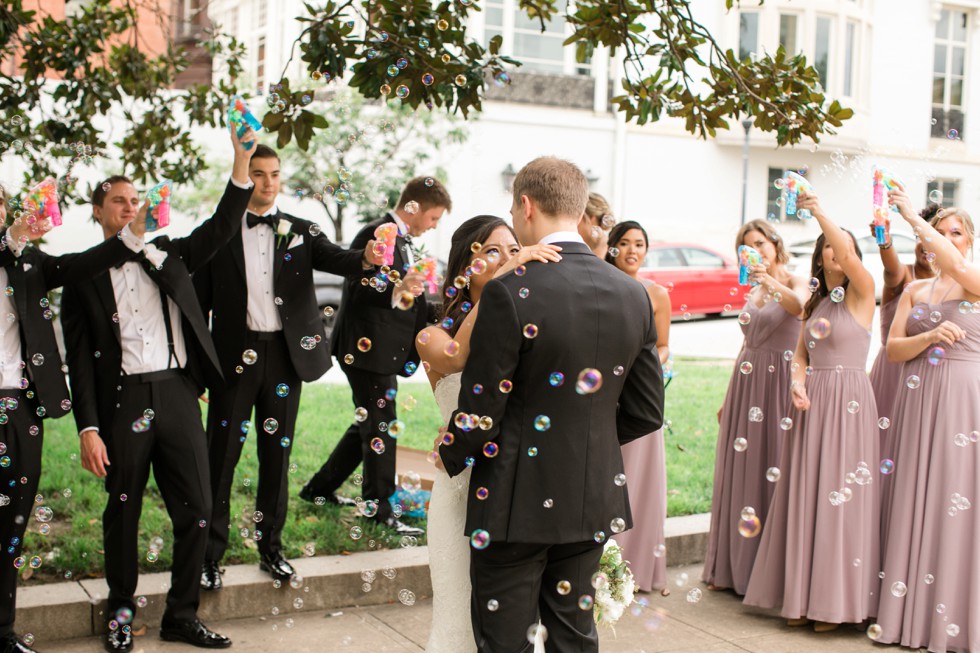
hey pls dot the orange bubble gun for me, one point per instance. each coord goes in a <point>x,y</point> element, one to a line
<point>242,118</point>
<point>428,267</point>
<point>747,257</point>
<point>159,213</point>
<point>42,203</point>
<point>385,236</point>
<point>883,181</point>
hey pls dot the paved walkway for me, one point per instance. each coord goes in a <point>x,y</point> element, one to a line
<point>717,622</point>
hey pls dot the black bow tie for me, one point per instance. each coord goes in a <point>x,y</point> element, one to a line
<point>408,239</point>
<point>135,256</point>
<point>252,220</point>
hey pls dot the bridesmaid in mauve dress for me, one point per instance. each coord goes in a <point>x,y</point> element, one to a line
<point>930,594</point>
<point>644,459</point>
<point>885,375</point>
<point>818,555</point>
<point>770,322</point>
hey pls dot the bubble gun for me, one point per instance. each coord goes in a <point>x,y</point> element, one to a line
<point>747,257</point>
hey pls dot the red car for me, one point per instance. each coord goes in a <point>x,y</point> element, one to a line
<point>699,279</point>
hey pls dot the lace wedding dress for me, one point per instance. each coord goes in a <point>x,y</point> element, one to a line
<point>449,548</point>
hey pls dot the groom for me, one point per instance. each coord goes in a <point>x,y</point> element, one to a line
<point>542,414</point>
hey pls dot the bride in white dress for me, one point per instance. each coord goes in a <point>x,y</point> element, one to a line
<point>482,248</point>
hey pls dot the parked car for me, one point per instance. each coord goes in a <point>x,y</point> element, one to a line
<point>800,254</point>
<point>329,288</point>
<point>700,280</point>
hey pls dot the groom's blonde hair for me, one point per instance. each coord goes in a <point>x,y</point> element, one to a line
<point>557,186</point>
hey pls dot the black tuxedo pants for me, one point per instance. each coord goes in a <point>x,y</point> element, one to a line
<point>272,387</point>
<point>175,445</point>
<point>523,581</point>
<point>355,447</point>
<point>21,435</point>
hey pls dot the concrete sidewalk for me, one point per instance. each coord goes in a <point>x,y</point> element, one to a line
<point>717,622</point>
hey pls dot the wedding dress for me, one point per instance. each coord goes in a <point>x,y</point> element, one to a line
<point>449,548</point>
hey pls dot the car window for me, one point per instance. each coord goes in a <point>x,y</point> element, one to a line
<point>701,258</point>
<point>868,245</point>
<point>904,245</point>
<point>668,257</point>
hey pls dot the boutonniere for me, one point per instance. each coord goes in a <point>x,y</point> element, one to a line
<point>283,228</point>
<point>418,251</point>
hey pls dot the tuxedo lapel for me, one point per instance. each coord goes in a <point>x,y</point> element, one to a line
<point>17,280</point>
<point>237,247</point>
<point>103,288</point>
<point>281,244</point>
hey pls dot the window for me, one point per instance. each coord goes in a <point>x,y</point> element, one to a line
<point>821,50</point>
<point>850,52</point>
<point>949,72</point>
<point>260,66</point>
<point>748,34</point>
<point>664,258</point>
<point>700,258</point>
<point>260,11</point>
<point>523,39</point>
<point>788,31</point>
<point>947,187</point>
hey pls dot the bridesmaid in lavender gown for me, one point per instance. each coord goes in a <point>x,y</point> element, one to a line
<point>930,596</point>
<point>818,556</point>
<point>885,375</point>
<point>770,322</point>
<point>644,460</point>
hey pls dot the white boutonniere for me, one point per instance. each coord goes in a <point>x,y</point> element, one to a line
<point>418,251</point>
<point>283,229</point>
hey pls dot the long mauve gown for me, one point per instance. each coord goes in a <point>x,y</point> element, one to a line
<point>932,546</point>
<point>645,466</point>
<point>740,476</point>
<point>818,556</point>
<point>885,377</point>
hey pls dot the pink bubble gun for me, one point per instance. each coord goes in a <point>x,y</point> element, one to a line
<point>42,203</point>
<point>385,236</point>
<point>747,257</point>
<point>428,267</point>
<point>793,184</point>
<point>242,118</point>
<point>883,181</point>
<point>159,213</point>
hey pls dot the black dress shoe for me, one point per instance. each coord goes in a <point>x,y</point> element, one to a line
<point>210,576</point>
<point>194,633</point>
<point>10,643</point>
<point>308,494</point>
<point>400,527</point>
<point>276,565</point>
<point>119,640</point>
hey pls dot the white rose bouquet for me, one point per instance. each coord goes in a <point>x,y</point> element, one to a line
<point>614,586</point>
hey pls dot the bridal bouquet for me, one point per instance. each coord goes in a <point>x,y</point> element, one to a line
<point>614,586</point>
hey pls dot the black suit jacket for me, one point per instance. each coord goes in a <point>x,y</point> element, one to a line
<point>223,290</point>
<point>367,313</point>
<point>92,337</point>
<point>549,443</point>
<point>32,275</point>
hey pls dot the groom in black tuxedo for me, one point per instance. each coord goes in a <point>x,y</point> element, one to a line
<point>374,340</point>
<point>31,375</point>
<point>269,335</point>
<point>566,356</point>
<point>139,355</point>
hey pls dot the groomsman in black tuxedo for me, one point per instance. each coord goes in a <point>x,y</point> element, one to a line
<point>270,338</point>
<point>547,487</point>
<point>374,340</point>
<point>32,382</point>
<point>139,355</point>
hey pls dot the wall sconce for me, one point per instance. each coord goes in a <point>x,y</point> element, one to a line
<point>507,176</point>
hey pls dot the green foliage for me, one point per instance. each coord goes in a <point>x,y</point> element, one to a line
<point>360,163</point>
<point>80,75</point>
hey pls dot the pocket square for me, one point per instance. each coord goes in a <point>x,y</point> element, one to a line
<point>27,266</point>
<point>296,241</point>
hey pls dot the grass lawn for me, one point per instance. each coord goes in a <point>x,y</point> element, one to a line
<point>73,546</point>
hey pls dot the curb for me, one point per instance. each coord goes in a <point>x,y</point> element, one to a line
<point>76,609</point>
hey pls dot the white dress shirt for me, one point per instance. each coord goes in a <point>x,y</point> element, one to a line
<point>259,242</point>
<point>141,324</point>
<point>562,237</point>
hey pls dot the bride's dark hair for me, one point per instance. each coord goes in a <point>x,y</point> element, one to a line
<point>474,230</point>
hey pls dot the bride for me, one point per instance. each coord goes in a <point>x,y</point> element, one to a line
<point>482,248</point>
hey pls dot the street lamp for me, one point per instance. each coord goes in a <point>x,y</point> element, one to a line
<point>747,124</point>
<point>507,175</point>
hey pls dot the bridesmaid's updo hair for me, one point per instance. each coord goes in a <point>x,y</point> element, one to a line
<point>942,214</point>
<point>474,230</point>
<point>816,271</point>
<point>767,230</point>
<point>619,231</point>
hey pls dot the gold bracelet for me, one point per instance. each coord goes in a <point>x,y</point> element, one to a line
<point>887,245</point>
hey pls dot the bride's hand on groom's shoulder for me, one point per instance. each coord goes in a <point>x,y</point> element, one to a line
<point>543,253</point>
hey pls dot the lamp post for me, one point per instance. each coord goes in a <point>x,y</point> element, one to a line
<point>747,124</point>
